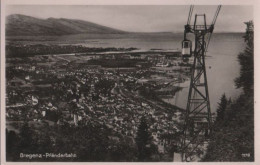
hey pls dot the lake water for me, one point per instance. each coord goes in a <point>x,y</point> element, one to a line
<point>222,52</point>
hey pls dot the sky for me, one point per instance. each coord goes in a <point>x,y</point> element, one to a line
<point>141,18</point>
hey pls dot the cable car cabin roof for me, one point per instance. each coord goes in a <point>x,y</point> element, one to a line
<point>186,40</point>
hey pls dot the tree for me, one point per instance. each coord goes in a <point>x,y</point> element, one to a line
<point>27,142</point>
<point>11,145</point>
<point>246,60</point>
<point>221,108</point>
<point>144,141</point>
<point>44,143</point>
<point>234,137</point>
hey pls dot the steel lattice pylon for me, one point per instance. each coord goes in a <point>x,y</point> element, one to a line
<point>197,124</point>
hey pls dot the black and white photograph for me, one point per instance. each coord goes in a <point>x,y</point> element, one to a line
<point>128,83</point>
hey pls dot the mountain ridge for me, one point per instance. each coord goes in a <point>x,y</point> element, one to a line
<point>23,25</point>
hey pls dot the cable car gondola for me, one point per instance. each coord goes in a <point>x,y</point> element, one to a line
<point>186,48</point>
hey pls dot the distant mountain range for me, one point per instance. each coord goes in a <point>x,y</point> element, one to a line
<point>22,25</point>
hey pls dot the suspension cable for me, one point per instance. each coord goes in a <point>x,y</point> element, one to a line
<point>190,14</point>
<point>216,15</point>
<point>212,24</point>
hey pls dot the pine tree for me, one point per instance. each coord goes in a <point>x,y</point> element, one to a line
<point>27,139</point>
<point>235,135</point>
<point>221,108</point>
<point>246,60</point>
<point>229,100</point>
<point>11,145</point>
<point>143,141</point>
